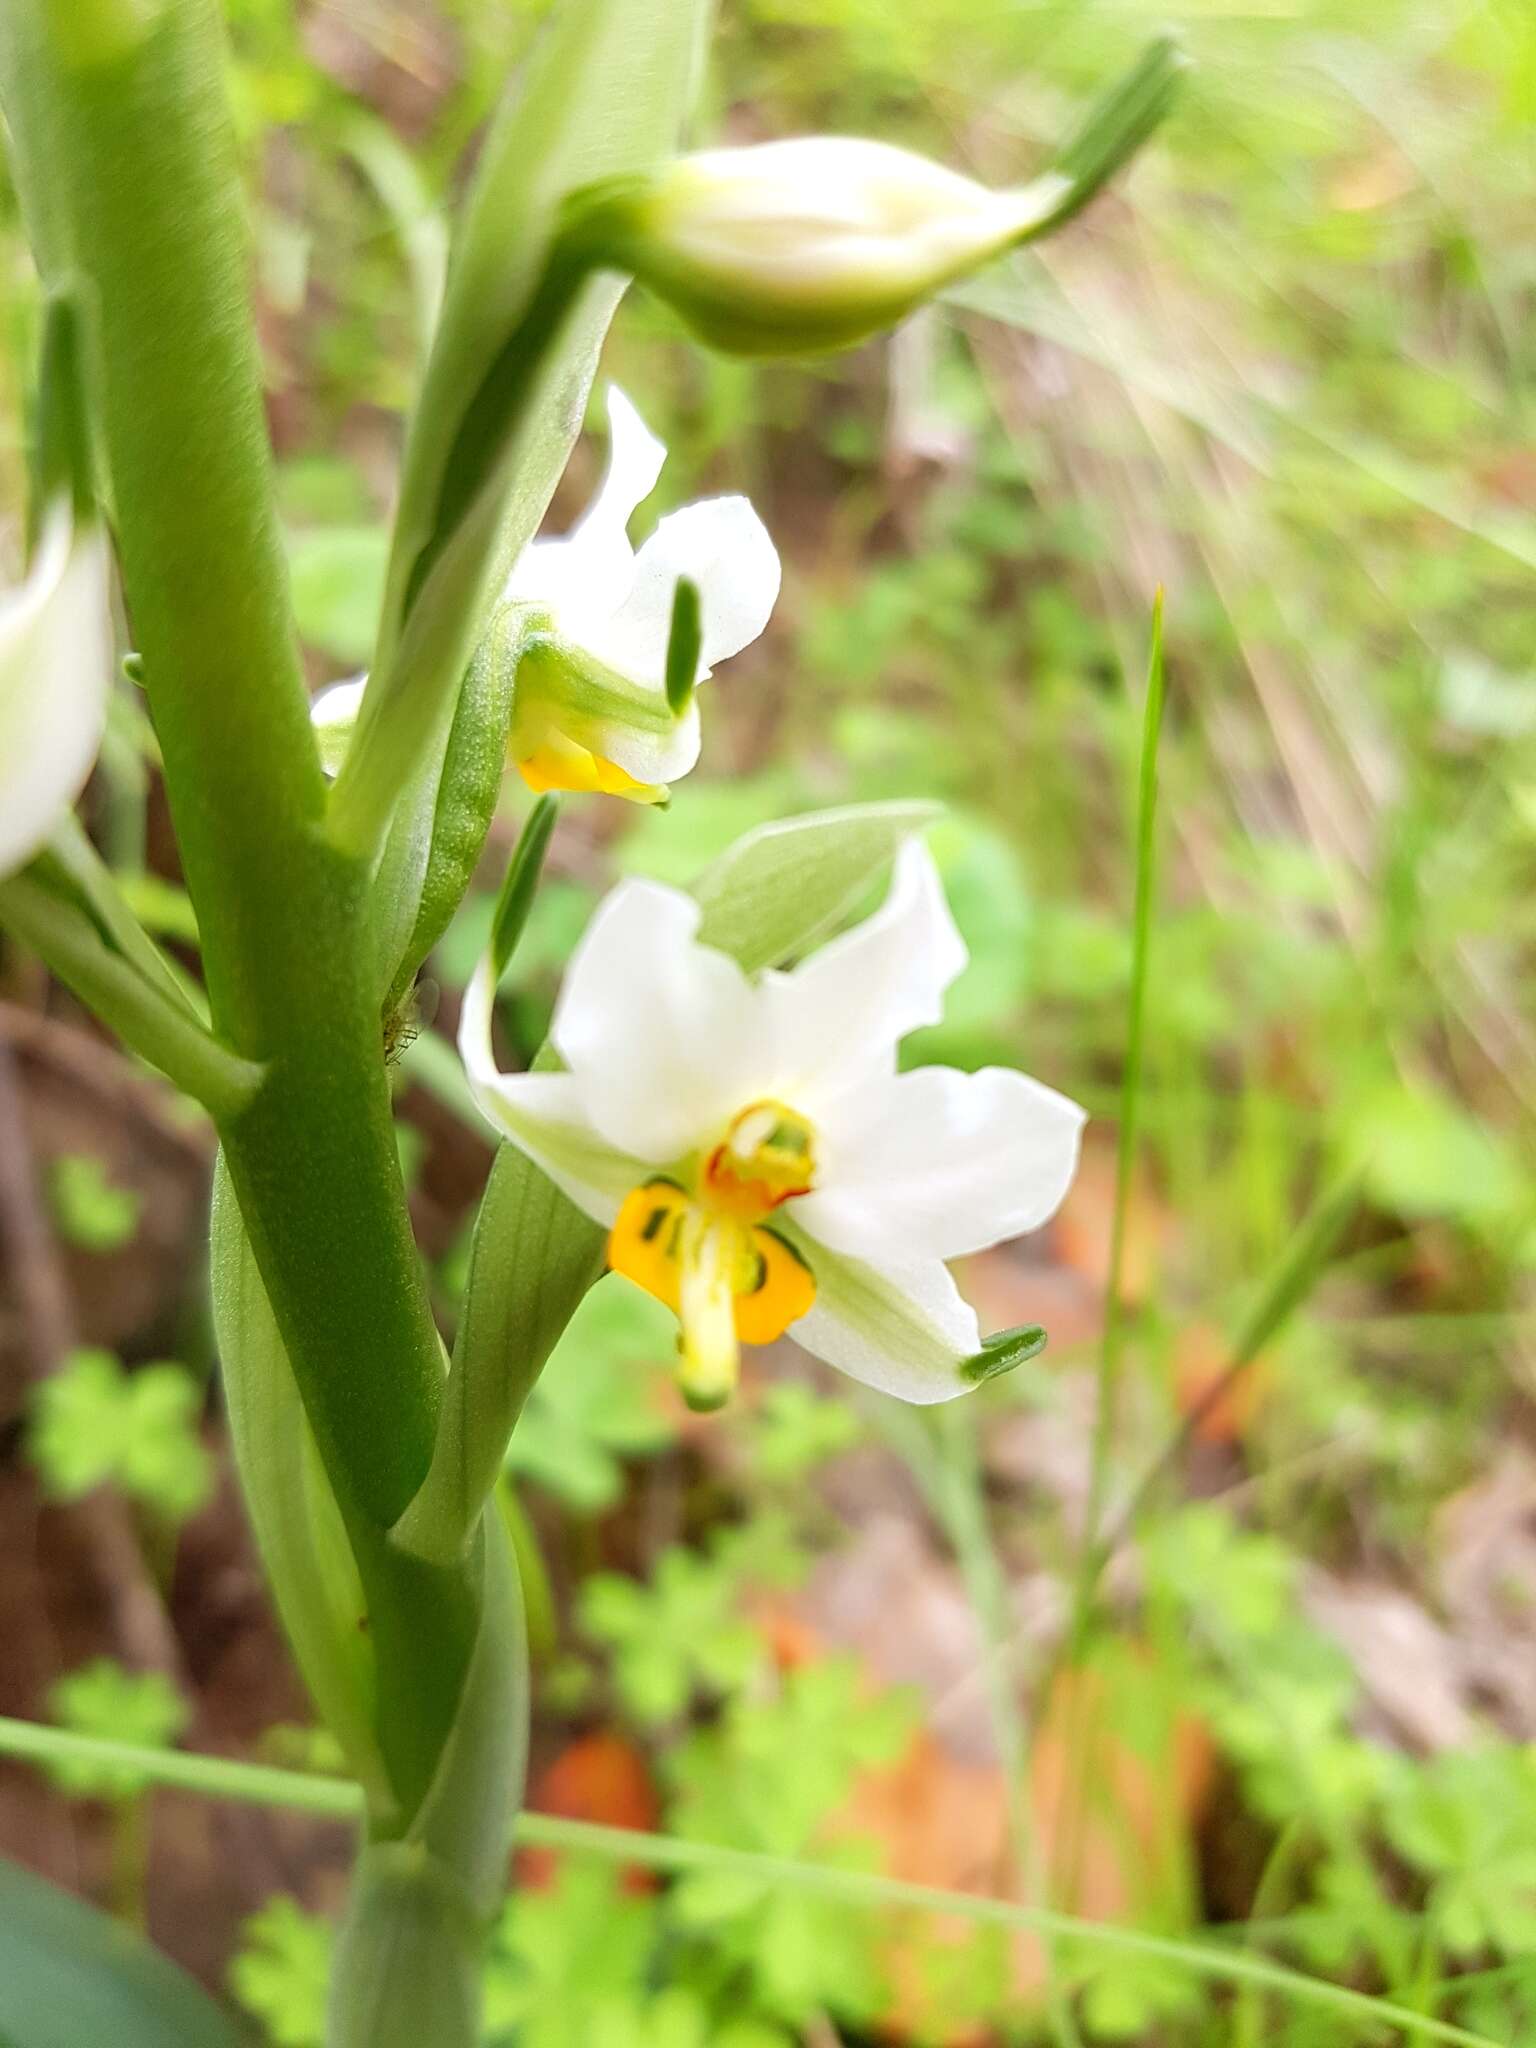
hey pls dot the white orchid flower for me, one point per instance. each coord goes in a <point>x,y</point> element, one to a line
<point>759,1162</point>
<point>56,658</point>
<point>589,704</point>
<point>589,708</point>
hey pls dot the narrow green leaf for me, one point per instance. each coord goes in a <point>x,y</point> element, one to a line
<point>1115,127</point>
<point>1112,1341</point>
<point>157,1027</point>
<point>254,1784</point>
<point>69,1975</point>
<point>522,882</point>
<point>533,1257</point>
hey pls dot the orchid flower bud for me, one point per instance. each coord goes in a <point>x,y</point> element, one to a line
<point>817,243</point>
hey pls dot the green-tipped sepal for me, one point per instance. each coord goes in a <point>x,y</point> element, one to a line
<point>1003,1352</point>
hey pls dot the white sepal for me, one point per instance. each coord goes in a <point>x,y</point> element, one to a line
<point>543,1114</point>
<point>899,1325</point>
<point>56,661</point>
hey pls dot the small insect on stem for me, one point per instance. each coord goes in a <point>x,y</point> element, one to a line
<point>405,1023</point>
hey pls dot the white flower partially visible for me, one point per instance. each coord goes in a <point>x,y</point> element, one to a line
<point>56,657</point>
<point>333,714</point>
<point>758,1160</point>
<point>590,707</point>
<point>589,704</point>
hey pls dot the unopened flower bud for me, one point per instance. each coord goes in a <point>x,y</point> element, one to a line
<point>813,244</point>
<point>802,246</point>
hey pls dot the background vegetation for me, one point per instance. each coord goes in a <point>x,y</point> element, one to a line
<point>1284,371</point>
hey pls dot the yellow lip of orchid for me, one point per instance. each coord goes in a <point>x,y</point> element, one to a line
<point>758,1160</point>
<point>558,763</point>
<point>728,1282</point>
<point>703,1250</point>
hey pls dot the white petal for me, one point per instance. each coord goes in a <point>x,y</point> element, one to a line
<point>585,575</point>
<point>666,1037</point>
<point>653,756</point>
<point>843,1010</point>
<point>333,714</point>
<point>900,1326</point>
<point>542,1114</point>
<point>56,653</point>
<point>938,1163</point>
<point>722,546</point>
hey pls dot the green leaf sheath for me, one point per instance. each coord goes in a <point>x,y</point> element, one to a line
<point>534,1256</point>
<point>468,789</point>
<point>298,1527</point>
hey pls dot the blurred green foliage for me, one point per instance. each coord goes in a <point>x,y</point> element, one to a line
<point>94,1424</point>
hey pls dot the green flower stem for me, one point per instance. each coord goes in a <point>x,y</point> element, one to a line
<point>159,1029</point>
<point>127,169</point>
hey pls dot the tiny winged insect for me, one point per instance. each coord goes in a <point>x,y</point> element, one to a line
<point>409,1018</point>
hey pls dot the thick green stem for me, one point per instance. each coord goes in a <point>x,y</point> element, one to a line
<point>128,162</point>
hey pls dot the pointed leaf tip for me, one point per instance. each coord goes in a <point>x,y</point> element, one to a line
<point>1002,1352</point>
<point>522,881</point>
